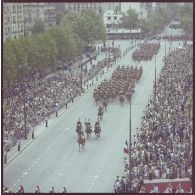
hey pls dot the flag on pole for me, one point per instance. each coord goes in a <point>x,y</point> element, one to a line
<point>125,149</point>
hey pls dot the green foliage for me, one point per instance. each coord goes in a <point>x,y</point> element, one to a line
<point>186,17</point>
<point>9,62</point>
<point>59,43</point>
<point>131,19</point>
<point>87,25</point>
<point>59,17</point>
<point>160,17</point>
<point>38,27</point>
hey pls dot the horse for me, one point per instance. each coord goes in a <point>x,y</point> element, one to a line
<point>81,141</point>
<point>121,99</point>
<point>97,131</point>
<point>88,129</point>
<point>100,114</point>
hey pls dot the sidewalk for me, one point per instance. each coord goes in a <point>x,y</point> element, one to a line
<point>39,129</point>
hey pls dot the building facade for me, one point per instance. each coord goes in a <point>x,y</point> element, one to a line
<point>111,18</point>
<point>78,7</point>
<point>43,11</point>
<point>13,20</point>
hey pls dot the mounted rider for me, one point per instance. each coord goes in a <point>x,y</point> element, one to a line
<point>97,127</point>
<point>79,128</point>
<point>88,127</point>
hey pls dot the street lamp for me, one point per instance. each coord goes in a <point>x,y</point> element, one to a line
<point>24,111</point>
<point>165,51</point>
<point>155,80</point>
<point>130,145</point>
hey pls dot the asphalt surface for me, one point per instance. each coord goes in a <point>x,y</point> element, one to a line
<point>53,159</point>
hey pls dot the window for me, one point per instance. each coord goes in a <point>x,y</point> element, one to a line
<point>109,18</point>
<point>115,18</point>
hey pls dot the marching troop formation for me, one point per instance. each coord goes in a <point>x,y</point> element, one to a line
<point>146,51</point>
<point>90,73</point>
<point>177,37</point>
<point>121,83</point>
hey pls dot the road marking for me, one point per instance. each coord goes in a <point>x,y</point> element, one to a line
<point>32,165</point>
<point>60,174</point>
<point>18,180</point>
<point>25,173</point>
<point>14,184</point>
<point>96,176</point>
<point>29,168</point>
<point>67,128</point>
<point>35,161</point>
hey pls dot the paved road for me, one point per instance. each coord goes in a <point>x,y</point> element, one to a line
<point>54,160</point>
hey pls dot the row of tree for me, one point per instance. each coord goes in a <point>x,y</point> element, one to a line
<point>186,17</point>
<point>160,16</point>
<point>42,50</point>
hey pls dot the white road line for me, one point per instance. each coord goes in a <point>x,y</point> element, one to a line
<point>18,180</point>
<point>25,173</point>
<point>14,184</point>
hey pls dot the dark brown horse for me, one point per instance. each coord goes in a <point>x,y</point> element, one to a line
<point>88,129</point>
<point>97,131</point>
<point>81,141</point>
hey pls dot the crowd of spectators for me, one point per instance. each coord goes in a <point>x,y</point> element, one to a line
<point>41,98</point>
<point>163,145</point>
<point>146,51</point>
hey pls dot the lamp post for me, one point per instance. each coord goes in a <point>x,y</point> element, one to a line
<point>81,78</point>
<point>24,111</point>
<point>130,145</point>
<point>155,80</point>
<point>165,52</point>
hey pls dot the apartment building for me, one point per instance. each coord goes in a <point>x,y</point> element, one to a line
<point>78,7</point>
<point>43,11</point>
<point>13,20</point>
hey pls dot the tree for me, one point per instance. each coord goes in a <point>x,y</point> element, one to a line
<point>59,17</point>
<point>185,17</point>
<point>9,62</point>
<point>130,20</point>
<point>38,27</point>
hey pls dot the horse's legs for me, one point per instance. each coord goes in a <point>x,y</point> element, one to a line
<point>79,147</point>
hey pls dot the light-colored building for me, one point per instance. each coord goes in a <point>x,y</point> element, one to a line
<point>43,11</point>
<point>13,20</point>
<point>111,18</point>
<point>108,6</point>
<point>78,7</point>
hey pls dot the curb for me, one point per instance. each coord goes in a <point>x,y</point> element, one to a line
<point>14,156</point>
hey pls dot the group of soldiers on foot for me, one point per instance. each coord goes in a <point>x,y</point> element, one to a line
<point>122,81</point>
<point>146,51</point>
